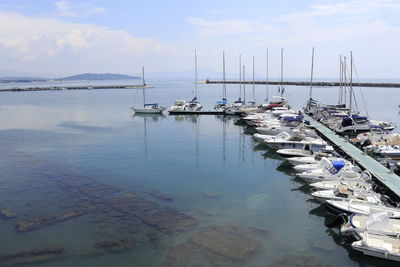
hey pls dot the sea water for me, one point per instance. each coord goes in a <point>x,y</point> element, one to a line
<point>206,167</point>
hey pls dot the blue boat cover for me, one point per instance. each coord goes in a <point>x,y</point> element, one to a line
<point>358,117</point>
<point>221,102</point>
<point>338,164</point>
<point>290,118</point>
<point>146,105</point>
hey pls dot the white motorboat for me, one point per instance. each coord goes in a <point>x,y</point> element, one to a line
<point>306,151</point>
<point>346,193</point>
<point>299,160</point>
<point>336,171</point>
<point>386,150</point>
<point>293,152</point>
<point>335,184</point>
<point>381,246</point>
<point>323,163</point>
<point>379,223</point>
<point>193,105</point>
<point>360,207</point>
<point>179,105</point>
<point>275,102</point>
<point>295,142</point>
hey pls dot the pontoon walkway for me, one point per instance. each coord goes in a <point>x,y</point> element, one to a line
<point>380,172</point>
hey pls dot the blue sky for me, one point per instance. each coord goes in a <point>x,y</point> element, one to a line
<point>67,37</point>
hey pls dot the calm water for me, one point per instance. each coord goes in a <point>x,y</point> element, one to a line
<point>209,168</point>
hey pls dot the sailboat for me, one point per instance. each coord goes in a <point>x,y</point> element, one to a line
<point>192,105</point>
<point>267,84</point>
<point>222,105</point>
<point>238,104</point>
<point>279,100</point>
<point>147,108</point>
<point>252,103</point>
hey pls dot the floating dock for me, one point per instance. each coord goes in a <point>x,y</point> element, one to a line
<point>29,89</point>
<point>200,112</point>
<point>380,172</point>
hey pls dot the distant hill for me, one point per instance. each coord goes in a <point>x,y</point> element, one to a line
<point>100,76</point>
<point>20,79</point>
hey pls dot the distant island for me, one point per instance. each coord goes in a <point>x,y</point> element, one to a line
<point>79,77</point>
<point>100,76</point>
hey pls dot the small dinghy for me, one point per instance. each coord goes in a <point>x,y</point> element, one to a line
<point>378,223</point>
<point>380,246</point>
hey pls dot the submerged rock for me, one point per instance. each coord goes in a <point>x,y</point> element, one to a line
<point>37,223</point>
<point>214,246</point>
<point>226,242</point>
<point>131,204</point>
<point>256,202</point>
<point>115,246</point>
<point>169,220</point>
<point>76,181</point>
<point>190,255</point>
<point>8,213</point>
<point>161,196</point>
<point>211,194</point>
<point>324,245</point>
<point>97,190</point>
<point>297,261</point>
<point>31,256</point>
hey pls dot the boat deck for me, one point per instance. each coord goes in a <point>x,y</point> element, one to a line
<point>380,172</point>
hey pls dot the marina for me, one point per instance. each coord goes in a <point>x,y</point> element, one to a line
<point>218,175</point>
<point>200,133</point>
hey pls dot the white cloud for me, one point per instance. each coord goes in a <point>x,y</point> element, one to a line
<point>362,26</point>
<point>65,9</point>
<point>42,42</point>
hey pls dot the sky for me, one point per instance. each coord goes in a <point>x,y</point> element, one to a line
<point>59,38</point>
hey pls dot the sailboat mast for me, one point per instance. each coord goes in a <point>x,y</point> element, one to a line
<point>195,74</point>
<point>144,84</point>
<point>254,81</point>
<point>244,84</point>
<point>223,70</point>
<point>345,80</point>
<point>312,72</point>
<point>267,86</point>
<point>240,75</point>
<point>351,82</point>
<point>281,72</point>
<point>340,80</point>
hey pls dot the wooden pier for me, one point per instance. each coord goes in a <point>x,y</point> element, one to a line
<point>380,172</point>
<point>88,87</point>
<point>305,83</point>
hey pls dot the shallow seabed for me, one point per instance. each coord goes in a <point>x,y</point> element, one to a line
<point>107,188</point>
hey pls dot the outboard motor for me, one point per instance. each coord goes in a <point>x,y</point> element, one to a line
<point>339,220</point>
